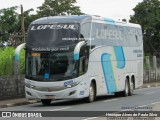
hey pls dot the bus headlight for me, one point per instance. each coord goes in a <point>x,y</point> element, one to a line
<point>72,85</point>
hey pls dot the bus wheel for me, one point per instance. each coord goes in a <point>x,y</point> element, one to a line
<point>126,90</point>
<point>92,94</point>
<point>131,88</point>
<point>46,101</point>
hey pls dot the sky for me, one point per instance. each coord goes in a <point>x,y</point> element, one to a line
<point>115,9</point>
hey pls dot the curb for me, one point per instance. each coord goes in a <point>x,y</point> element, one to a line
<point>148,86</point>
<point>18,104</point>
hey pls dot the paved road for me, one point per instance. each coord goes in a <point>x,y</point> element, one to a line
<point>143,98</point>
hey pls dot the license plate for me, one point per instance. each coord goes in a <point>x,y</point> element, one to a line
<point>49,97</point>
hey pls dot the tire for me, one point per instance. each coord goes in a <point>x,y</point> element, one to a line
<point>46,101</point>
<point>125,93</point>
<point>92,93</point>
<point>131,88</point>
<point>118,94</point>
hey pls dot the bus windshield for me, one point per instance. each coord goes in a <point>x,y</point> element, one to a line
<point>50,66</point>
<point>42,37</point>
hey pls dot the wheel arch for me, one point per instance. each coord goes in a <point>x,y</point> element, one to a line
<point>133,80</point>
<point>95,85</point>
<point>127,77</point>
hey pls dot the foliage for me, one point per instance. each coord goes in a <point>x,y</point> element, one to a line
<point>28,18</point>
<point>147,14</point>
<point>58,7</point>
<point>8,21</point>
<point>7,61</point>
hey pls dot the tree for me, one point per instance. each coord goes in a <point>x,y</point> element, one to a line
<point>58,7</point>
<point>147,14</point>
<point>8,22</point>
<point>28,18</point>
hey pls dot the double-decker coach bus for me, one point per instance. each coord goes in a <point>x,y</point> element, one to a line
<point>74,57</point>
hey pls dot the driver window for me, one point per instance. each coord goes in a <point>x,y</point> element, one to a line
<point>83,61</point>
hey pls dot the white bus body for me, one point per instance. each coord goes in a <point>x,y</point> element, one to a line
<point>113,63</point>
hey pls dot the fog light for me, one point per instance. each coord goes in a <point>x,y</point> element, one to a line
<point>28,93</point>
<point>71,93</point>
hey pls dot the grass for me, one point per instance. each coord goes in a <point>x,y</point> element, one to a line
<point>7,61</point>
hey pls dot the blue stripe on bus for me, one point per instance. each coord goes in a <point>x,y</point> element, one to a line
<point>109,21</point>
<point>108,72</point>
<point>119,57</point>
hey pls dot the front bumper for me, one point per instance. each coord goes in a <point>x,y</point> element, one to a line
<point>69,93</point>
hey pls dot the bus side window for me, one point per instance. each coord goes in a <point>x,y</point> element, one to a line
<point>82,65</point>
<point>83,61</point>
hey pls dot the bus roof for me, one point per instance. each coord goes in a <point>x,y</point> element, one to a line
<point>81,18</point>
<point>61,19</point>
